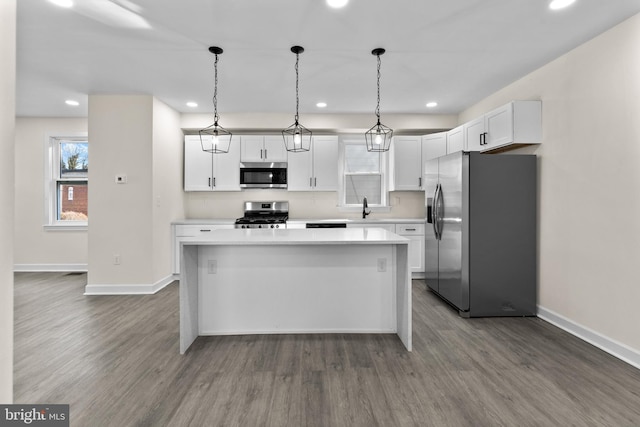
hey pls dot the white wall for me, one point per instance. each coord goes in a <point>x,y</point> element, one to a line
<point>120,135</point>
<point>139,137</point>
<point>168,195</point>
<point>7,127</point>
<point>35,248</point>
<point>589,183</point>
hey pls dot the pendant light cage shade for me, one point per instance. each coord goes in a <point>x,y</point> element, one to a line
<point>297,138</point>
<point>215,139</point>
<point>378,138</point>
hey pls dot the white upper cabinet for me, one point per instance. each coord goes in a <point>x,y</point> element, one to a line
<point>257,148</point>
<point>274,149</point>
<point>300,171</point>
<point>316,169</point>
<point>434,145</point>
<point>407,155</point>
<point>518,122</point>
<point>210,172</point>
<point>198,165</point>
<point>455,140</point>
<point>325,163</point>
<point>474,134</point>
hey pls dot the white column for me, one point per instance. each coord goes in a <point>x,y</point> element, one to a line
<point>7,137</point>
<point>138,137</point>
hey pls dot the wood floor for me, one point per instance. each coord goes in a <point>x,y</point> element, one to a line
<point>115,360</point>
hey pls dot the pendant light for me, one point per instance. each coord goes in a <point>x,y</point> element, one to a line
<point>220,140</point>
<point>378,138</point>
<point>297,138</point>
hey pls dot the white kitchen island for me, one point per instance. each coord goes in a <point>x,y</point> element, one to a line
<point>284,281</point>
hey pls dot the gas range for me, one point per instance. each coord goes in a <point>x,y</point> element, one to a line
<point>264,215</point>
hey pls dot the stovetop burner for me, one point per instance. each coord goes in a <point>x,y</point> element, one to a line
<point>264,215</point>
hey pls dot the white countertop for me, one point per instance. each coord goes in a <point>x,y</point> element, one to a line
<point>302,236</point>
<point>200,221</point>
<point>373,221</point>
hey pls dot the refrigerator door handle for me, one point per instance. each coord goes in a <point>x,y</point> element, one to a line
<point>436,198</point>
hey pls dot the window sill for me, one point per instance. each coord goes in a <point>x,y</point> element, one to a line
<point>66,227</point>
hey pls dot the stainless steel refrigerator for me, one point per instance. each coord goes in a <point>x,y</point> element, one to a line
<point>480,235</point>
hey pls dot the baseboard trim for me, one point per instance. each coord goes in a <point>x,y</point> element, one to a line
<point>46,268</point>
<point>123,289</point>
<point>613,347</point>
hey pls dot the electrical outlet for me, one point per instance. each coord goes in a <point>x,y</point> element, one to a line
<point>116,259</point>
<point>212,266</point>
<point>382,265</point>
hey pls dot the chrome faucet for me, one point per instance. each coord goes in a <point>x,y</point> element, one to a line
<point>364,208</point>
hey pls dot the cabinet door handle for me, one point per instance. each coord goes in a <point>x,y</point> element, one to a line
<point>315,182</point>
<point>214,181</point>
<point>310,182</point>
<point>205,231</point>
<point>209,181</point>
<point>261,153</point>
<point>409,229</point>
<point>419,181</point>
<point>265,154</point>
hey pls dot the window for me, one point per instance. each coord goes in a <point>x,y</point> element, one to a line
<point>363,174</point>
<point>67,183</point>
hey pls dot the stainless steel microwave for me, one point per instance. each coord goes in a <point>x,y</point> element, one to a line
<point>263,175</point>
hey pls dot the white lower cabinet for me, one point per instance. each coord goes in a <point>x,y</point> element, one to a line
<point>415,233</point>
<point>186,232</point>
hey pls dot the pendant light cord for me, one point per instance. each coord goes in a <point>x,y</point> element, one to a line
<point>215,92</point>
<point>378,105</point>
<point>297,97</point>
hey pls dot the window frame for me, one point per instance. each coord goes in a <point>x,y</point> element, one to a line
<point>53,178</point>
<point>343,206</point>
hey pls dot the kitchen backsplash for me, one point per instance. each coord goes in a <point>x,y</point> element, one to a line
<point>404,204</point>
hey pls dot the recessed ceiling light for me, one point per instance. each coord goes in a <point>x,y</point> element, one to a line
<point>336,4</point>
<point>321,104</point>
<point>72,102</point>
<point>62,3</point>
<point>432,104</point>
<point>192,104</point>
<point>560,4</point>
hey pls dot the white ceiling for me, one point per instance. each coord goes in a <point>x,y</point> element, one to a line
<point>452,51</point>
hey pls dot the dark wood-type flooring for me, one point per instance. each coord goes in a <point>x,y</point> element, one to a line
<point>115,360</point>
